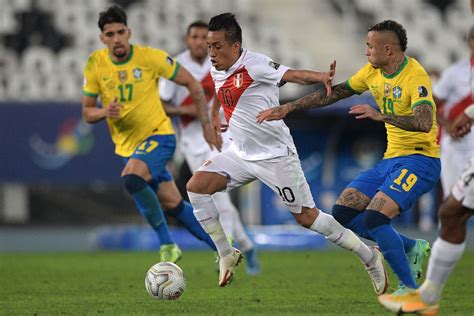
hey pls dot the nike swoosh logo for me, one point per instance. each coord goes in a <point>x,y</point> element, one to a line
<point>394,188</point>
<point>416,259</point>
<point>105,78</point>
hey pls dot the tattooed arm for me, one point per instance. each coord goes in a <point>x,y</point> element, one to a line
<point>420,121</point>
<point>317,99</point>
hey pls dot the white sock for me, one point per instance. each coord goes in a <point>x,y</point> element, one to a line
<point>444,256</point>
<point>230,219</point>
<point>207,215</point>
<point>326,225</point>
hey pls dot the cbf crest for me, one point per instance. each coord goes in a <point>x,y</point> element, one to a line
<point>387,89</point>
<point>397,92</point>
<point>123,76</point>
<point>238,80</point>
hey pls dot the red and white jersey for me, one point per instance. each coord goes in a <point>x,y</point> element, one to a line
<point>249,86</point>
<point>455,87</point>
<point>191,138</point>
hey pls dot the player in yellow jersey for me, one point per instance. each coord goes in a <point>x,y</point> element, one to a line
<point>125,77</point>
<point>411,166</point>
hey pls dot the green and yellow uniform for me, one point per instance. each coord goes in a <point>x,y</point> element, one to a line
<point>134,82</point>
<point>399,94</point>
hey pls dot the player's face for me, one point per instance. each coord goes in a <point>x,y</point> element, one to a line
<point>375,51</point>
<point>116,36</point>
<point>196,42</point>
<point>222,53</point>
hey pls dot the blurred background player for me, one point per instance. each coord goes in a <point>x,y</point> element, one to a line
<point>453,94</point>
<point>448,248</point>
<point>411,166</point>
<point>126,76</point>
<point>246,83</point>
<point>177,102</point>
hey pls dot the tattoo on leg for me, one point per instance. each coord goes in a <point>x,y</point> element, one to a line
<point>377,203</point>
<point>354,199</point>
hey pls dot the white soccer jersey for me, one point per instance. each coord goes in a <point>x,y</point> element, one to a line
<point>191,138</point>
<point>454,87</point>
<point>246,88</point>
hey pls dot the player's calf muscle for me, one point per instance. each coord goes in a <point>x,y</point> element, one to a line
<point>354,199</point>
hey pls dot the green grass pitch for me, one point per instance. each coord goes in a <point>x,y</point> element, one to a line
<point>291,283</point>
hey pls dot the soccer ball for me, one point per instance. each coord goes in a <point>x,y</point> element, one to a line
<point>165,281</point>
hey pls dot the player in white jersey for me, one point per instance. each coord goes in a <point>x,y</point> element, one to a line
<point>178,102</point>
<point>453,91</point>
<point>247,83</point>
<point>448,248</point>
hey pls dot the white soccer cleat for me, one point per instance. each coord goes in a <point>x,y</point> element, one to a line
<point>377,273</point>
<point>227,266</point>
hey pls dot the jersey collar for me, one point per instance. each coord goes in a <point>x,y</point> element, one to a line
<point>399,70</point>
<point>126,60</point>
<point>237,63</point>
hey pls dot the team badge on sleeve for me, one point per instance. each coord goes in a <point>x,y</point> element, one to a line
<point>422,91</point>
<point>274,65</point>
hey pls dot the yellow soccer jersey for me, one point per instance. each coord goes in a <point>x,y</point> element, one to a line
<point>134,83</point>
<point>399,94</point>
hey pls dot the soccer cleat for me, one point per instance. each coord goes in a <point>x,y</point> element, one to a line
<point>253,266</point>
<point>402,290</point>
<point>227,266</point>
<point>416,256</point>
<point>170,253</point>
<point>378,274</point>
<point>231,242</point>
<point>408,303</point>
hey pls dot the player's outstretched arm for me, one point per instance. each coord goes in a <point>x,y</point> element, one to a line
<point>420,121</point>
<point>311,77</point>
<point>179,110</point>
<point>317,99</point>
<point>184,78</point>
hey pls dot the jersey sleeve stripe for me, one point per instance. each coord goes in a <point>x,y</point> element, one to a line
<point>421,102</point>
<point>173,76</point>
<point>94,95</point>
<point>348,86</point>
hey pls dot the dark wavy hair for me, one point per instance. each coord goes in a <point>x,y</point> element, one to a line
<point>113,14</point>
<point>226,22</point>
<point>392,26</point>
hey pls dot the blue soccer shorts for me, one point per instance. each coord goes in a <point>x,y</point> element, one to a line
<point>156,151</point>
<point>404,179</point>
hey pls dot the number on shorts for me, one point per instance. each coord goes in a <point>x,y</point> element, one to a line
<point>286,194</point>
<point>148,146</point>
<point>409,181</point>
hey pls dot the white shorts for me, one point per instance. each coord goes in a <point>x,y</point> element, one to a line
<point>282,174</point>
<point>196,160</point>
<point>463,190</point>
<point>453,162</point>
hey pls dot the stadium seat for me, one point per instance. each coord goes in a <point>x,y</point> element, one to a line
<point>38,60</point>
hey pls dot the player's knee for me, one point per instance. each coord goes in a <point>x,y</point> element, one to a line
<point>133,183</point>
<point>453,214</point>
<point>306,218</point>
<point>344,214</point>
<point>374,219</point>
<point>195,185</point>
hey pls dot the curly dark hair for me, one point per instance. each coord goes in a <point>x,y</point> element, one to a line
<point>395,27</point>
<point>113,14</point>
